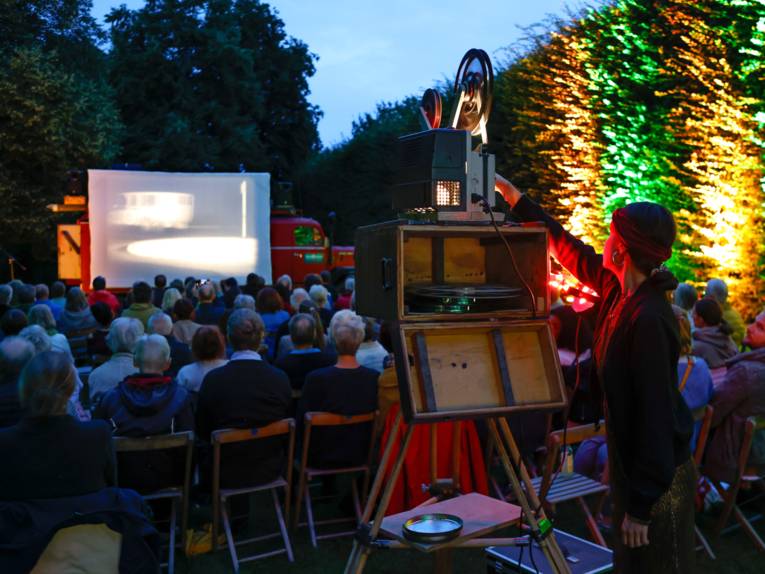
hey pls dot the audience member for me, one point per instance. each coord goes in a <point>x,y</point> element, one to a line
<point>184,326</point>
<point>26,297</point>
<point>283,332</point>
<point>190,290</point>
<point>208,349</point>
<point>310,280</point>
<point>254,284</point>
<point>124,333</point>
<point>304,357</point>
<point>15,285</point>
<point>58,294</point>
<point>76,316</point>
<point>43,316</point>
<point>344,300</point>
<point>243,301</point>
<point>207,312</point>
<point>180,353</point>
<point>178,284</point>
<point>270,308</point>
<point>245,393</point>
<point>170,297</point>
<point>99,294</point>
<point>284,295</point>
<point>6,295</point>
<point>231,290</point>
<point>13,322</point>
<point>148,403</point>
<point>693,375</point>
<point>285,345</point>
<point>711,337</point>
<point>285,281</point>
<point>685,297</point>
<point>141,308</point>
<point>42,296</point>
<point>741,395</point>
<point>37,336</point>
<point>718,290</point>
<point>371,353</point>
<point>346,388</point>
<point>158,292</point>
<point>15,353</point>
<point>98,348</point>
<point>320,296</point>
<point>326,281</point>
<point>79,458</point>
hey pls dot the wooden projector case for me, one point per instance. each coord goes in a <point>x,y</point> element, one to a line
<point>459,366</point>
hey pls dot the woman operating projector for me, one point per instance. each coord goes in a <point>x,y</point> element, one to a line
<point>636,349</point>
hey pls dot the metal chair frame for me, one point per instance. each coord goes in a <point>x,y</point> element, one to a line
<point>307,473</point>
<point>221,496</point>
<point>181,440</point>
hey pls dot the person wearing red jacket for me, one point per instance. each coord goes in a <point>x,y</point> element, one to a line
<point>100,294</point>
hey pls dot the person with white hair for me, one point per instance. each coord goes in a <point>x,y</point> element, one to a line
<point>285,280</point>
<point>148,403</point>
<point>298,296</point>
<point>320,296</point>
<point>169,298</point>
<point>43,316</point>
<point>180,353</point>
<point>243,301</point>
<point>15,353</point>
<point>124,333</point>
<point>208,312</point>
<point>346,388</point>
<point>718,290</point>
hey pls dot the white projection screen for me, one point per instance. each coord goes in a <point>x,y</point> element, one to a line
<point>212,225</point>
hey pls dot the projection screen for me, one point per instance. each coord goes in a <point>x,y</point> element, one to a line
<point>212,225</point>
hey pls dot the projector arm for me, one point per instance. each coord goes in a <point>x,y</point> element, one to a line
<point>507,190</point>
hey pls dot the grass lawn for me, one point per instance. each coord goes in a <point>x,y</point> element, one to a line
<point>735,553</point>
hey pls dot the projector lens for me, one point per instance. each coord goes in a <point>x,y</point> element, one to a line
<point>447,193</point>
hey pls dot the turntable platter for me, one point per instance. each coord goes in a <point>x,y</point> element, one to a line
<point>460,298</point>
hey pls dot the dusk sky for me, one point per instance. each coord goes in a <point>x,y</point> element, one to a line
<point>373,51</point>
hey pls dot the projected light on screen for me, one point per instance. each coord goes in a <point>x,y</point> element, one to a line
<point>198,252</point>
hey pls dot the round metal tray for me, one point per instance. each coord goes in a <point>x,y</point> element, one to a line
<point>432,528</point>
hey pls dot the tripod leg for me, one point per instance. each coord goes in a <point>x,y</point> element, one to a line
<point>548,544</point>
<point>456,454</point>
<point>359,554</point>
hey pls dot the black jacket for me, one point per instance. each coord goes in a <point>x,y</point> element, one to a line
<point>343,392</point>
<point>11,411</point>
<point>243,394</point>
<point>148,405</point>
<point>646,415</point>
<point>53,457</point>
<point>180,355</point>
<point>297,365</point>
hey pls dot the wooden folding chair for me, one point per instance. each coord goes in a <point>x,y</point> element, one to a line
<point>744,476</point>
<point>705,416</point>
<point>563,487</point>
<point>308,473</point>
<point>176,493</point>
<point>78,343</point>
<point>221,496</point>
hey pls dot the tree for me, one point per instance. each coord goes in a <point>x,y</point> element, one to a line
<point>212,86</point>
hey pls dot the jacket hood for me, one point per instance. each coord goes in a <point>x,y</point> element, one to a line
<point>757,356</point>
<point>145,395</point>
<point>712,336</point>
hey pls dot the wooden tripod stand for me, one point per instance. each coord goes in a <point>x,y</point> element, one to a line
<point>540,528</point>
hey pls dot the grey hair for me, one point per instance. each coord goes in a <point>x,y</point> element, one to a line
<point>160,323</point>
<point>152,353</point>
<point>43,316</point>
<point>169,299</point>
<point>347,331</point>
<point>718,290</point>
<point>6,294</point>
<point>243,301</point>
<point>15,352</point>
<point>38,337</point>
<point>298,296</point>
<point>245,330</point>
<point>124,333</point>
<point>350,284</point>
<point>41,291</point>
<point>286,280</point>
<point>685,296</point>
<point>320,295</point>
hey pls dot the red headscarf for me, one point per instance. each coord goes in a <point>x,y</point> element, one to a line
<point>636,241</point>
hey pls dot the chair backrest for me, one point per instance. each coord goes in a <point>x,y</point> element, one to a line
<point>78,343</point>
<point>705,416</point>
<point>229,436</point>
<point>751,426</point>
<point>320,419</point>
<point>163,442</point>
<point>573,435</point>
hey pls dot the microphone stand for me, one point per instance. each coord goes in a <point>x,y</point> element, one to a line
<point>11,262</point>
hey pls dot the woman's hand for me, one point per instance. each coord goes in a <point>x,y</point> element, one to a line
<point>634,534</point>
<point>506,190</point>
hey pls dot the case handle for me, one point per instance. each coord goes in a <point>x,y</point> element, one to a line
<point>387,273</point>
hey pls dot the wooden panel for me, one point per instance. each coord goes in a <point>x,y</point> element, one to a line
<point>464,260</point>
<point>528,375</point>
<point>418,260</point>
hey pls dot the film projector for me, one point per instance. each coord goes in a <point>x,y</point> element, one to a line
<point>468,301</point>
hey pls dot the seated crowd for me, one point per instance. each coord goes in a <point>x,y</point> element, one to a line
<point>77,370</point>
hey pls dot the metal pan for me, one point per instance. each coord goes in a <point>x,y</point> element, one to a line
<point>432,528</point>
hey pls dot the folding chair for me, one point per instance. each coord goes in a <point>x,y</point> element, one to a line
<point>308,473</point>
<point>744,475</point>
<point>177,493</point>
<point>705,416</point>
<point>78,343</point>
<point>564,487</point>
<point>222,496</point>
